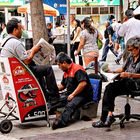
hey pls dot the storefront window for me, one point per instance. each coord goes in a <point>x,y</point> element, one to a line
<point>86,10</point>
<point>112,10</point>
<point>95,10</point>
<point>78,11</point>
<point>104,10</point>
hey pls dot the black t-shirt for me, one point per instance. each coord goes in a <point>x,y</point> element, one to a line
<point>109,31</point>
<point>73,77</point>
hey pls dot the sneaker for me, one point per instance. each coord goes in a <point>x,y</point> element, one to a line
<point>98,124</point>
<point>117,62</point>
<point>109,121</point>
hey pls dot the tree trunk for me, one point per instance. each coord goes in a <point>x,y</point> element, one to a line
<point>38,23</point>
<point>121,10</point>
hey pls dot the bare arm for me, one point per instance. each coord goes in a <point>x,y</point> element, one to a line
<point>81,45</point>
<point>60,87</point>
<point>32,51</point>
<point>79,88</point>
<point>100,36</point>
<point>130,75</point>
<point>78,30</point>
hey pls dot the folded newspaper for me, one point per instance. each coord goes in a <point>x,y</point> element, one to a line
<point>46,54</point>
<point>110,76</point>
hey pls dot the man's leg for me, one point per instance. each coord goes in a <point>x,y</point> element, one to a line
<point>105,50</point>
<point>46,71</point>
<point>112,90</point>
<point>113,51</point>
<point>70,108</point>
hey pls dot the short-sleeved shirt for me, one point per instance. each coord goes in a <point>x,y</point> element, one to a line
<point>90,41</point>
<point>108,31</point>
<point>73,77</point>
<point>129,29</point>
<point>13,48</point>
<point>131,66</point>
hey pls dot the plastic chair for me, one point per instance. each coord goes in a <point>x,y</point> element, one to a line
<point>127,110</point>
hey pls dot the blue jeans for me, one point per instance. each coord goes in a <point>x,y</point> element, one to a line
<point>106,49</point>
<point>70,109</point>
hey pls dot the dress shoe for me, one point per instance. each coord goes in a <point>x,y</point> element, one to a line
<point>56,124</point>
<point>109,121</point>
<point>98,124</point>
<point>117,62</point>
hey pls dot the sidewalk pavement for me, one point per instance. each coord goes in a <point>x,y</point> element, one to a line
<point>81,130</point>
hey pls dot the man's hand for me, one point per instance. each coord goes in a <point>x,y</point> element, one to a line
<point>75,53</point>
<point>125,75</point>
<point>70,97</point>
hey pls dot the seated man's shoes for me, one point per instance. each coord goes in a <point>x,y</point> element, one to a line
<point>109,121</point>
<point>98,124</point>
<point>117,62</point>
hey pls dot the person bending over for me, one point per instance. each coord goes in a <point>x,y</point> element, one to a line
<point>79,89</point>
<point>129,80</point>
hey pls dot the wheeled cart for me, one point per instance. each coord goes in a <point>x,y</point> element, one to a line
<point>23,97</point>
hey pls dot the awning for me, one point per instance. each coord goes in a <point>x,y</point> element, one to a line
<point>48,10</point>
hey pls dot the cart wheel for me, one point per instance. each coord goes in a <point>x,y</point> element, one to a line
<point>6,126</point>
<point>122,125</point>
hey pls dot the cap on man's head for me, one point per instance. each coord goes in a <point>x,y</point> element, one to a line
<point>134,42</point>
<point>129,12</point>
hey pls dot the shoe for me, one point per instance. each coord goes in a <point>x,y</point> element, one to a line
<point>109,121</point>
<point>98,124</point>
<point>56,124</point>
<point>117,62</point>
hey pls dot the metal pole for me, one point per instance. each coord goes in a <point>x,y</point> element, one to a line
<point>68,27</point>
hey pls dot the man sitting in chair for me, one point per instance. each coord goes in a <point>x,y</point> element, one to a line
<point>12,47</point>
<point>128,80</point>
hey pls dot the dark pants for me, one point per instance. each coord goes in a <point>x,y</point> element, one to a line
<point>70,109</point>
<point>46,78</point>
<point>73,48</point>
<point>112,90</point>
<point>106,49</point>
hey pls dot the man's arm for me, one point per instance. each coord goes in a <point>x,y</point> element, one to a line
<point>130,75</point>
<point>79,89</point>
<point>32,52</point>
<point>60,87</point>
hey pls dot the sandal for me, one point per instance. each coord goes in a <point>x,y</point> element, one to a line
<point>98,124</point>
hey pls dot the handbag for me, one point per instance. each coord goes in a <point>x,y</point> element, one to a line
<point>99,43</point>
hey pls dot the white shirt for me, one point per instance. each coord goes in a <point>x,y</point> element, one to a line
<point>129,29</point>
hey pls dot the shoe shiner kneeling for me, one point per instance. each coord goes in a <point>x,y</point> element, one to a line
<point>79,89</point>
